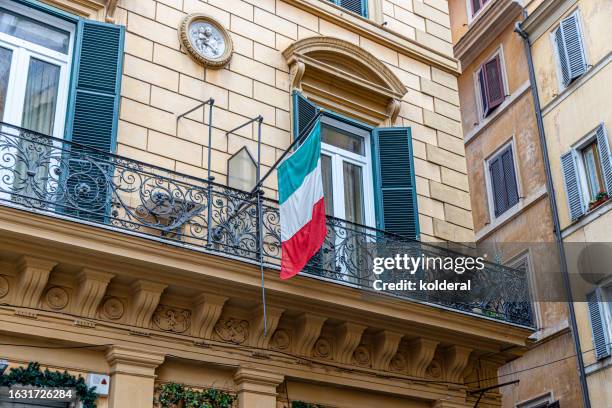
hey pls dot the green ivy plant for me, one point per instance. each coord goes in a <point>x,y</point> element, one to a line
<point>171,395</point>
<point>32,375</point>
<point>301,404</point>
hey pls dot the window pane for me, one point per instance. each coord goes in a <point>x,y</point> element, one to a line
<point>342,139</point>
<point>592,170</point>
<point>34,31</point>
<point>353,193</point>
<point>328,191</point>
<point>6,57</point>
<point>40,97</point>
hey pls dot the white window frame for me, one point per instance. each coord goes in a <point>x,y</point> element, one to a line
<point>579,160</point>
<point>553,42</point>
<point>338,156</point>
<point>476,79</point>
<point>537,402</point>
<point>474,16</point>
<point>489,184</point>
<point>605,306</point>
<point>22,52</point>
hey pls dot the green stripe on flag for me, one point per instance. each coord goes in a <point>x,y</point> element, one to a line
<point>293,171</point>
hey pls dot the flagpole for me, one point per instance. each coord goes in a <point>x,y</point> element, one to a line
<point>260,228</point>
<point>301,136</point>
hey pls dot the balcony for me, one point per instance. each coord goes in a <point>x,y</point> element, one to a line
<point>61,179</point>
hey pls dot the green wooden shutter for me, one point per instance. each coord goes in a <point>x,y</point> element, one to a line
<point>599,325</point>
<point>96,85</point>
<point>303,113</point>
<point>396,208</point>
<point>93,118</point>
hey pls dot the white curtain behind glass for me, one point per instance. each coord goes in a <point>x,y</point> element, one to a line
<point>41,97</point>
<point>38,115</point>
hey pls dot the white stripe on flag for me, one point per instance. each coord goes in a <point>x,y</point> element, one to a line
<point>296,211</point>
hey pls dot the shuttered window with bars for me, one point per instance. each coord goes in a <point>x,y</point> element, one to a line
<point>570,49</point>
<point>491,85</point>
<point>503,181</point>
<point>356,6</point>
<point>394,180</point>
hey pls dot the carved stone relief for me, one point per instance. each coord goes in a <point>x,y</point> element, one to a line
<point>4,287</point>
<point>112,308</point>
<point>172,319</point>
<point>398,363</point>
<point>281,340</point>
<point>434,370</point>
<point>361,356</point>
<point>323,349</point>
<point>57,298</point>
<point>232,330</point>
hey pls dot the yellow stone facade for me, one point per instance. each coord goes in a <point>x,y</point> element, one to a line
<point>570,114</point>
<point>523,233</point>
<point>146,313</point>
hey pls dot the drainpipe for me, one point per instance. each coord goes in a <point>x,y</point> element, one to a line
<point>555,214</point>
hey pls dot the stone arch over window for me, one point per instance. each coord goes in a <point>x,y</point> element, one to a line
<point>345,78</point>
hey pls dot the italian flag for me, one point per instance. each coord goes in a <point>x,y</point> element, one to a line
<point>302,209</point>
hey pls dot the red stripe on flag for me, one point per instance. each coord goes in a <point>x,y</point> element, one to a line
<point>302,246</point>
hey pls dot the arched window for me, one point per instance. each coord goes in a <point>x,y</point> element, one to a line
<point>367,165</point>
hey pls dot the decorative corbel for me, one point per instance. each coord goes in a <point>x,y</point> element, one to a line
<point>145,298</point>
<point>347,340</point>
<point>256,329</point>
<point>207,309</point>
<point>421,351</point>
<point>307,331</point>
<point>91,288</point>
<point>33,275</point>
<point>393,110</point>
<point>111,7</point>
<point>296,71</point>
<point>455,361</point>
<point>385,347</point>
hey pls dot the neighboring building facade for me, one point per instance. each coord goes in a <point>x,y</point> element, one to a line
<point>137,267</point>
<point>571,54</point>
<point>507,180</point>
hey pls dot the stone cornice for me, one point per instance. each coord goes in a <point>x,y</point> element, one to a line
<point>548,12</point>
<point>485,28</point>
<point>139,257</point>
<point>373,31</point>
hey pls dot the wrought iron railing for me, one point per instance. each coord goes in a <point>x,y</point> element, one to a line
<point>58,178</point>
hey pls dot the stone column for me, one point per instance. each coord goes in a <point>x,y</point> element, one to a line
<point>132,377</point>
<point>256,388</point>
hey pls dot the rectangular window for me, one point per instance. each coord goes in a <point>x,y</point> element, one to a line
<point>570,52</point>
<point>476,6</point>
<point>345,163</point>
<point>491,87</point>
<point>356,6</point>
<point>587,172</point>
<point>592,170</point>
<point>35,57</point>
<point>503,191</point>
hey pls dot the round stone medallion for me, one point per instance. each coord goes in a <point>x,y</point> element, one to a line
<point>207,41</point>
